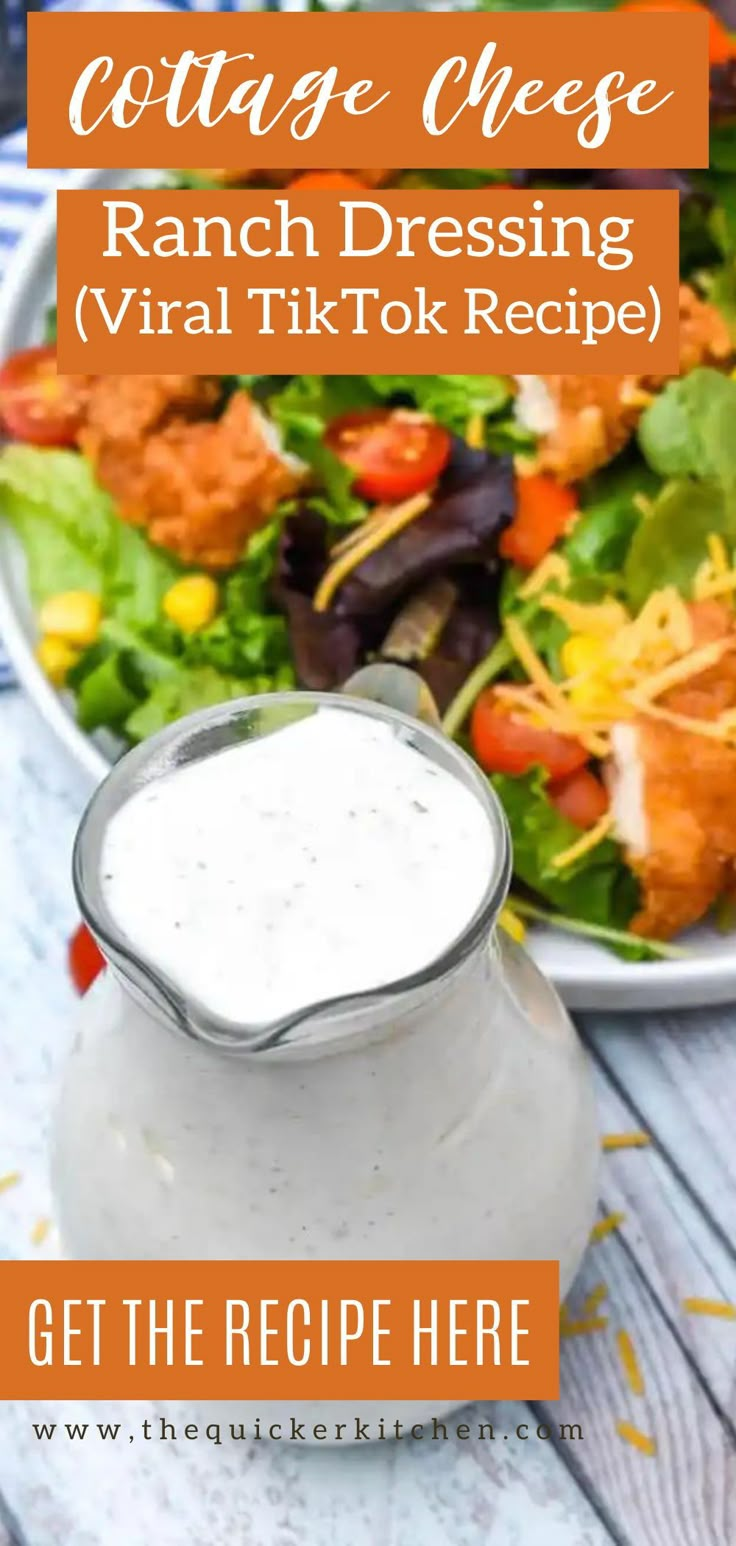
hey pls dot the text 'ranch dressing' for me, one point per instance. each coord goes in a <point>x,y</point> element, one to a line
<point>327,858</point>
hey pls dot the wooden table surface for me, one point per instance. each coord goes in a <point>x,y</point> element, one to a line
<point>673,1075</point>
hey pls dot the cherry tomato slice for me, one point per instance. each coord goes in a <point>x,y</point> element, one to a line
<point>85,960</point>
<point>581,797</point>
<point>543,509</point>
<point>504,744</point>
<point>394,452</point>
<point>36,403</point>
<point>720,45</point>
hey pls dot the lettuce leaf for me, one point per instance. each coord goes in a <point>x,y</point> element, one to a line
<point>186,691</point>
<point>597,887</point>
<point>670,542</point>
<point>688,431</point>
<point>143,672</point>
<point>73,538</point>
<point>452,400</point>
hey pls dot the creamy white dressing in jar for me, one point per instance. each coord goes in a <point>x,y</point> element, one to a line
<point>354,1065</point>
<point>327,858</point>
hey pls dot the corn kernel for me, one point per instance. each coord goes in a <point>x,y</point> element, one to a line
<point>512,925</point>
<point>73,615</point>
<point>583,652</point>
<point>56,658</point>
<point>191,602</point>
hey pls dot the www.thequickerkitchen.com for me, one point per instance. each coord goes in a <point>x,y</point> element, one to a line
<point>292,1431</point>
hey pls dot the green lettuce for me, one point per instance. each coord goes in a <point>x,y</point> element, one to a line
<point>452,400</point>
<point>688,431</point>
<point>143,672</point>
<point>670,542</point>
<point>74,540</point>
<point>598,887</point>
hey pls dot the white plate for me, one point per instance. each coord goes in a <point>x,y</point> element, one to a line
<point>587,976</point>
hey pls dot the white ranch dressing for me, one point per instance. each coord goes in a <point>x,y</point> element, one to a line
<point>326,858</point>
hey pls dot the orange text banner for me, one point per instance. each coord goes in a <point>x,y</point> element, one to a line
<point>404,281</point>
<point>354,1331</point>
<point>385,90</point>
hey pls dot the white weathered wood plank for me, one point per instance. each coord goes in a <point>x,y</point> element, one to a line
<point>686,1495</point>
<point>507,1493</point>
<point>679,1071</point>
<point>673,1245</point>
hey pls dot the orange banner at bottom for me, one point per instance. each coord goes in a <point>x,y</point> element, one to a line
<point>350,1330</point>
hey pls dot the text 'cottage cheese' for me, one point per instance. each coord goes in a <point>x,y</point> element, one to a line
<point>326,858</point>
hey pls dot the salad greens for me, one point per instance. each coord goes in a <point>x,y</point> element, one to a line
<point>597,888</point>
<point>143,672</point>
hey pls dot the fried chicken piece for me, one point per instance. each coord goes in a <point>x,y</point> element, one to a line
<point>200,486</point>
<point>589,419</point>
<point>122,409</point>
<point>704,336</point>
<point>674,793</point>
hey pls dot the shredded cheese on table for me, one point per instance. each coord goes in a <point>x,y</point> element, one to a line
<point>630,1363</point>
<point>40,1231</point>
<point>606,1226</point>
<point>718,1307</point>
<point>634,1436</point>
<point>635,1140</point>
<point>583,1328</point>
<point>10,1179</point>
<point>594,1299</point>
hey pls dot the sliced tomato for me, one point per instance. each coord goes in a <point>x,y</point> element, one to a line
<point>504,744</point>
<point>394,452</point>
<point>543,509</point>
<point>720,45</point>
<point>86,961</point>
<point>581,797</point>
<point>342,182</point>
<point>36,403</point>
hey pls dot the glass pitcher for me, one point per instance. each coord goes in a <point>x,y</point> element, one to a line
<point>445,1116</point>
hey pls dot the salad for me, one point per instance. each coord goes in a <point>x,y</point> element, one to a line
<point>554,556</point>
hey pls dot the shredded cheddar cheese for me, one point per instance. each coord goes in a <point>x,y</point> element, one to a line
<point>717,553</point>
<point>630,1363</point>
<point>475,431</point>
<point>549,690</point>
<point>395,518</point>
<point>721,729</point>
<point>606,1226</point>
<point>634,1436</point>
<point>11,1178</point>
<point>710,584</point>
<point>636,1140</point>
<point>40,1231</point>
<point>600,618</point>
<point>584,844</point>
<point>583,1328</point>
<point>718,1307</point>
<point>553,567</point>
<point>679,671</point>
<point>594,1299</point>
